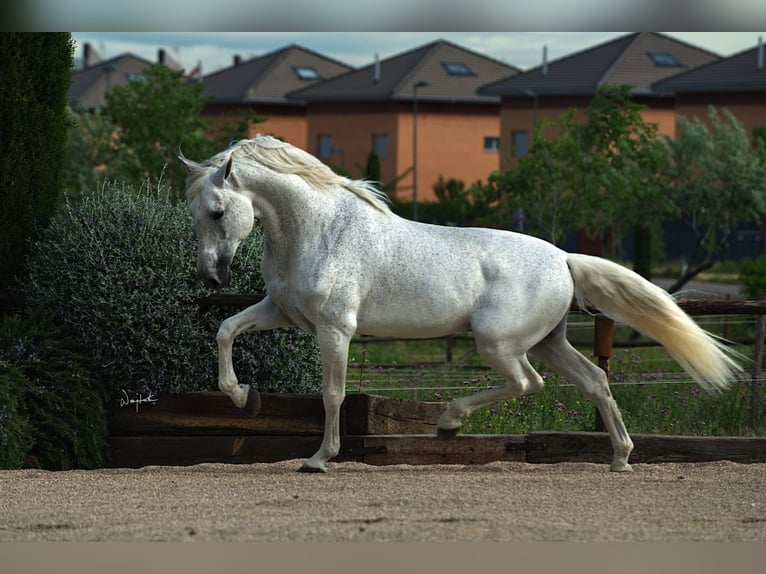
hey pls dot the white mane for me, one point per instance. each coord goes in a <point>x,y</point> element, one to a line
<point>285,158</point>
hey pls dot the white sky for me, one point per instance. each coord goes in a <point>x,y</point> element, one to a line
<point>523,49</point>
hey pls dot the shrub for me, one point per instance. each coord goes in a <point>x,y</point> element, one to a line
<point>118,269</point>
<point>15,430</point>
<point>52,409</point>
<point>36,74</point>
<point>753,277</point>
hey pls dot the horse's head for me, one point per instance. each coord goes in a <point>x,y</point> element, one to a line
<point>223,219</point>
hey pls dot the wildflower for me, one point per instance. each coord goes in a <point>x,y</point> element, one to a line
<point>560,406</point>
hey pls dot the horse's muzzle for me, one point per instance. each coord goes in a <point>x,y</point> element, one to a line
<point>216,278</point>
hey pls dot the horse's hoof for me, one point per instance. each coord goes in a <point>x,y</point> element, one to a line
<point>312,469</point>
<point>253,404</point>
<point>621,467</point>
<point>442,434</point>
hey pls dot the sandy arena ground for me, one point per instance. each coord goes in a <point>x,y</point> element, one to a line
<point>504,501</point>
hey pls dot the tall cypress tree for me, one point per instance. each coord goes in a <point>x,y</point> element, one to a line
<point>36,73</point>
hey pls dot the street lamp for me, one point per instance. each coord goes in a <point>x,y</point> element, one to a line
<point>415,86</point>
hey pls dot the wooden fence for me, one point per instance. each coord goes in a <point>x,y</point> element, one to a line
<point>604,328</point>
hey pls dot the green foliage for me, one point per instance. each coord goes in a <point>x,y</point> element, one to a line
<point>718,181</point>
<point>35,71</point>
<point>372,169</point>
<point>15,429</point>
<point>118,270</point>
<point>591,175</point>
<point>753,278</point>
<point>91,154</point>
<point>52,409</point>
<point>156,116</point>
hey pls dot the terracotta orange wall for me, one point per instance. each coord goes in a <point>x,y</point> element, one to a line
<point>352,127</point>
<point>450,141</point>
<point>450,145</point>
<point>518,114</point>
<point>750,109</point>
<point>288,122</point>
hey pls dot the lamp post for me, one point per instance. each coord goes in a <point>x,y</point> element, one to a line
<point>415,86</point>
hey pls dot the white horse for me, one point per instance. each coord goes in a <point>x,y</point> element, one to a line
<point>337,261</point>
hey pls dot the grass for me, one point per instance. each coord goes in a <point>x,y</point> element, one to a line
<point>654,395</point>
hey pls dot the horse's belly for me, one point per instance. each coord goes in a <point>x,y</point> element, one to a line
<point>417,317</point>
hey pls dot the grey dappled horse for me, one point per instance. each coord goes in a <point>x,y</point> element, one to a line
<point>337,261</point>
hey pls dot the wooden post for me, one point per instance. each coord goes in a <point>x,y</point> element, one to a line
<point>603,336</point>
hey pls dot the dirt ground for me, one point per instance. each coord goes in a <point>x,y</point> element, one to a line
<point>503,501</point>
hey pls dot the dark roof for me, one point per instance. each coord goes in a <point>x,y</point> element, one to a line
<point>452,72</point>
<point>266,79</point>
<point>737,73</point>
<point>90,85</point>
<point>638,59</point>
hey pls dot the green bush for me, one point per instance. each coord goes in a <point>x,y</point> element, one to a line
<point>15,429</point>
<point>51,409</point>
<point>118,269</point>
<point>753,277</point>
<point>36,73</point>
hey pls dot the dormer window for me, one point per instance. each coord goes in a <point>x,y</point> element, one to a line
<point>457,69</point>
<point>665,60</point>
<point>307,73</point>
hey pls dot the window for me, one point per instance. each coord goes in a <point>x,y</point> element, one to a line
<point>380,145</point>
<point>519,143</point>
<point>307,73</point>
<point>491,144</point>
<point>324,146</point>
<point>457,69</point>
<point>665,60</point>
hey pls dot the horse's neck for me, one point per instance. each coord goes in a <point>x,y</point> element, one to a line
<point>292,218</point>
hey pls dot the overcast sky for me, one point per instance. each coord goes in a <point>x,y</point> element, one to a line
<point>215,50</point>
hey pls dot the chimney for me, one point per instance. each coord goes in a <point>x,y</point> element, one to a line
<point>89,56</point>
<point>237,59</point>
<point>376,72</point>
<point>760,52</point>
<point>545,61</point>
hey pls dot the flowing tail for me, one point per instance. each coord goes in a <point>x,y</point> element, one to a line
<point>625,296</point>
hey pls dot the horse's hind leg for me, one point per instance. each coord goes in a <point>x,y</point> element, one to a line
<point>559,354</point>
<point>521,379</point>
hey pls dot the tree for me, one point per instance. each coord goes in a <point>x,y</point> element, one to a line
<point>718,181</point>
<point>91,154</point>
<point>36,74</point>
<point>592,175</point>
<point>156,116</point>
<point>372,169</point>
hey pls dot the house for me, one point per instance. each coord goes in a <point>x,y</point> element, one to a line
<point>419,111</point>
<point>639,59</point>
<point>260,86</point>
<point>737,83</point>
<point>95,78</point>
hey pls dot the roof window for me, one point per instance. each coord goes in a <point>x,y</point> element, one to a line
<point>457,69</point>
<point>665,60</point>
<point>307,73</point>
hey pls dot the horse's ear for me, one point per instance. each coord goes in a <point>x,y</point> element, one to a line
<point>221,174</point>
<point>191,166</point>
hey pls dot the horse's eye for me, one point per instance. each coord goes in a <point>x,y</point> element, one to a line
<point>217,215</point>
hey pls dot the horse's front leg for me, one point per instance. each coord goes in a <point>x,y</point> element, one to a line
<point>262,316</point>
<point>333,346</point>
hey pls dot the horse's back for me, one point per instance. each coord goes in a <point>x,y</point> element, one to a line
<point>432,280</point>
